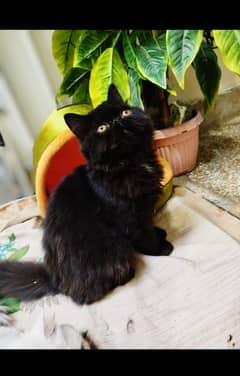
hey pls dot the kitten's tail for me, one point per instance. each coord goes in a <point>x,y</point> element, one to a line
<point>24,280</point>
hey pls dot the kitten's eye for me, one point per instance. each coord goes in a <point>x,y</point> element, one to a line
<point>126,113</point>
<point>102,128</point>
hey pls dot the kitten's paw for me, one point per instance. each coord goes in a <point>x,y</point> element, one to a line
<point>166,248</point>
<point>161,234</point>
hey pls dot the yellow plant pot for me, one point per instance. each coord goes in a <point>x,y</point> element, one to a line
<point>167,182</point>
<point>56,153</point>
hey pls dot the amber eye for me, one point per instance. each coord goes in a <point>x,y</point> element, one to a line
<point>126,113</point>
<point>102,128</point>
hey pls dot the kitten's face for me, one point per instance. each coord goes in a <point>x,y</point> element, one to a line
<point>113,131</point>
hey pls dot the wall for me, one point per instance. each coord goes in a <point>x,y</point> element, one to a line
<point>27,97</point>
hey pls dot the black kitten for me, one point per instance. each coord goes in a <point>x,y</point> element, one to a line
<point>99,215</point>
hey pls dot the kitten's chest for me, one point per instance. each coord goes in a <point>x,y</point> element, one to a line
<point>130,196</point>
<point>131,216</point>
<point>129,203</point>
<point>138,183</point>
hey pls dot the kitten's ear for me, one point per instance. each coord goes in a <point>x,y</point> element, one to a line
<point>113,95</point>
<point>78,124</point>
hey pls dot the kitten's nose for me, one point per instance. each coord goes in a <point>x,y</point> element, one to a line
<point>116,121</point>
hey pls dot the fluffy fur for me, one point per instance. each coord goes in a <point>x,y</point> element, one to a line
<point>99,215</point>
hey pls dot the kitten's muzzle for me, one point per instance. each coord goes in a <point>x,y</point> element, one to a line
<point>116,122</point>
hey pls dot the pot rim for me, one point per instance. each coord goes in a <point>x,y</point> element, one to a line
<point>181,128</point>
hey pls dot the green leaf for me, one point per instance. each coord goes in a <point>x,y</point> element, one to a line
<point>182,47</point>
<point>12,237</point>
<point>12,304</point>
<point>208,73</point>
<point>152,61</point>
<point>81,95</point>
<point>12,250</point>
<point>19,253</point>
<point>88,44</point>
<point>71,82</point>
<point>63,47</point>
<point>87,64</point>
<point>171,91</point>
<point>115,37</point>
<point>143,36</point>
<point>108,69</point>
<point>135,89</point>
<point>157,33</point>
<point>81,109</point>
<point>228,42</point>
<point>129,52</point>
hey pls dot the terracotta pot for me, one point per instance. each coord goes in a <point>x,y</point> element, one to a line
<point>179,145</point>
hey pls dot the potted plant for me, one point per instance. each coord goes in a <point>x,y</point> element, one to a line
<point>138,62</point>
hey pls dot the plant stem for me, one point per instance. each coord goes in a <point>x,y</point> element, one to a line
<point>164,109</point>
<point>155,102</point>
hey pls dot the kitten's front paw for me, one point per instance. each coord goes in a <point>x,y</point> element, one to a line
<point>163,249</point>
<point>166,248</point>
<point>161,234</point>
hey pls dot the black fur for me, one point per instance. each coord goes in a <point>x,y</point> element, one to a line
<point>99,215</point>
<point>24,279</point>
